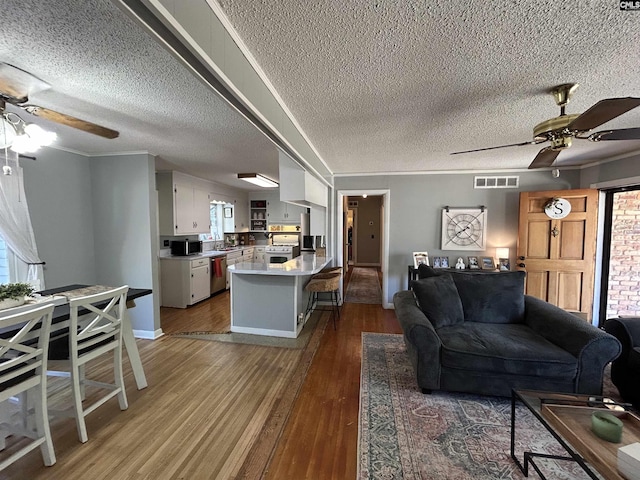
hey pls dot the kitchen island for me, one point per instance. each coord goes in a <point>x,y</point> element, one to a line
<point>270,299</point>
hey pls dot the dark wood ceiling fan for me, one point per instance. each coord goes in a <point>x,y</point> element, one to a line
<point>561,130</point>
<point>16,85</point>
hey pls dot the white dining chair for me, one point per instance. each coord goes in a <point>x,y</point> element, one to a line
<point>23,367</point>
<point>95,329</point>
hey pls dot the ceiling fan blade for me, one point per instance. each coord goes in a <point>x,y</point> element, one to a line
<point>621,134</point>
<point>533,142</point>
<point>16,85</point>
<point>603,111</point>
<point>545,158</point>
<point>71,121</point>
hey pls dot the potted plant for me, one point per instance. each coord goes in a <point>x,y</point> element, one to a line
<point>14,294</point>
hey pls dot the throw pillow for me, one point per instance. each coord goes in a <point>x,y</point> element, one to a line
<point>491,297</point>
<point>439,300</point>
<point>425,271</point>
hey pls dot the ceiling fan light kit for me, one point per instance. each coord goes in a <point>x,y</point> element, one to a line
<point>561,130</point>
<point>16,85</point>
<point>20,136</point>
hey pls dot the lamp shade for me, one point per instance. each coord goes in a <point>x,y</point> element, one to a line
<point>502,252</point>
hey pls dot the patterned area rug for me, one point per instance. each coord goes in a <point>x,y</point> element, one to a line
<point>364,286</point>
<point>405,434</point>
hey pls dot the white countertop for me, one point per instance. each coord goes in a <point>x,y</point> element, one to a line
<point>207,254</point>
<point>305,264</point>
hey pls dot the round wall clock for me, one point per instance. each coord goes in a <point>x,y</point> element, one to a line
<point>557,208</point>
<point>464,228</point>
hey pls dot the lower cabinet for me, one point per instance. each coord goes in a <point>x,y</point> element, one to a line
<point>184,282</point>
<point>258,254</point>
<point>232,258</point>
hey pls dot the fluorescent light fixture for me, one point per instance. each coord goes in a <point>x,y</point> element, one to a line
<point>257,179</point>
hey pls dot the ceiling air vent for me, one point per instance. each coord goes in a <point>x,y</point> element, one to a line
<point>496,182</point>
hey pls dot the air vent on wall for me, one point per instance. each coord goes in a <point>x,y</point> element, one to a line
<point>353,204</point>
<point>496,182</point>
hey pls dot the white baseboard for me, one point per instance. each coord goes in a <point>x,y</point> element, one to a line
<point>263,331</point>
<point>389,306</point>
<point>148,334</point>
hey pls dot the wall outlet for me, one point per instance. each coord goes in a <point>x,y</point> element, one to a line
<point>166,243</point>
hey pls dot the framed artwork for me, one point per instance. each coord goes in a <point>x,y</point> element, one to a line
<point>473,263</point>
<point>420,258</point>
<point>464,228</point>
<point>487,263</point>
<point>504,264</point>
<point>228,212</point>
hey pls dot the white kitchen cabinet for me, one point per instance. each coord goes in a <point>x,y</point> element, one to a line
<point>184,282</point>
<point>241,216</point>
<point>258,254</point>
<point>183,208</point>
<point>282,212</point>
<point>232,258</point>
<point>247,254</point>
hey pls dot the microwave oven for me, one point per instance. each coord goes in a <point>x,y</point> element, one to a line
<point>185,247</point>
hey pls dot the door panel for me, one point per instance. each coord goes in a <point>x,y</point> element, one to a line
<point>570,288</point>
<point>559,254</point>
<point>537,284</point>
<point>571,240</point>
<point>539,239</point>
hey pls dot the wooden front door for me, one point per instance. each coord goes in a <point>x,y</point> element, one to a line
<point>559,254</point>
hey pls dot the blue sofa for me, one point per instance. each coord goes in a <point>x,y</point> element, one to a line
<point>479,333</point>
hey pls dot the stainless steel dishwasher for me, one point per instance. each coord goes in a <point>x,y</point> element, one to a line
<point>218,277</point>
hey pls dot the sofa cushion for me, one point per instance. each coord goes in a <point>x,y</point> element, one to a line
<point>491,297</point>
<point>513,349</point>
<point>634,358</point>
<point>439,300</point>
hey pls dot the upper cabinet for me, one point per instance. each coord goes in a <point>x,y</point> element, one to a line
<point>183,207</point>
<point>298,186</point>
<point>281,212</point>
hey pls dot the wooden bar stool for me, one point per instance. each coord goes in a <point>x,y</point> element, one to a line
<point>324,283</point>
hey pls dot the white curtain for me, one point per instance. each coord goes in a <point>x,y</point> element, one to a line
<point>15,223</point>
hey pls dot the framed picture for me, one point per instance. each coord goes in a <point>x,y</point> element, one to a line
<point>504,264</point>
<point>440,262</point>
<point>228,212</point>
<point>487,263</point>
<point>420,258</point>
<point>473,263</point>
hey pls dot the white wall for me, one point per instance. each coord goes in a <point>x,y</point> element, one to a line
<point>125,216</point>
<point>94,220</point>
<point>58,189</point>
<point>415,208</point>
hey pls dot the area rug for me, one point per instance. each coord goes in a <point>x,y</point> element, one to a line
<point>248,339</point>
<point>364,286</point>
<point>404,434</point>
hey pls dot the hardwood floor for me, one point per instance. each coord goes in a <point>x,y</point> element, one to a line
<point>207,402</point>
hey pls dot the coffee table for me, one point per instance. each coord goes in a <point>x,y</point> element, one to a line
<point>568,418</point>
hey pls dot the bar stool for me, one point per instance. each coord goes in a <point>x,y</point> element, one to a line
<point>324,283</point>
<point>336,269</point>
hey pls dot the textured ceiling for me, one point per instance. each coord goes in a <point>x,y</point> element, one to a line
<point>104,68</point>
<point>383,85</point>
<point>377,86</point>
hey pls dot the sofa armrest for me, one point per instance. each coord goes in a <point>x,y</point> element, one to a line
<point>627,330</point>
<point>421,339</point>
<point>592,347</point>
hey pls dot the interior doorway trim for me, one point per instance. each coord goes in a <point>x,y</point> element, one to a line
<point>384,266</point>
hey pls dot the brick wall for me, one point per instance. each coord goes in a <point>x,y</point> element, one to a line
<point>624,267</point>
